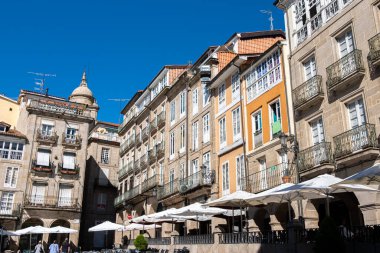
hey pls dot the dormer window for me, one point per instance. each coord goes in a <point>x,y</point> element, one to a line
<point>3,129</point>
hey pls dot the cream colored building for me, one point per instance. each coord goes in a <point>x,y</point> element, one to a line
<point>334,58</point>
<point>57,131</point>
<point>9,110</point>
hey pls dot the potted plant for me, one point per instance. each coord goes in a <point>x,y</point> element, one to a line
<point>141,244</point>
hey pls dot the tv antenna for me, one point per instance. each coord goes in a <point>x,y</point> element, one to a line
<point>40,81</point>
<point>270,17</point>
<point>120,100</point>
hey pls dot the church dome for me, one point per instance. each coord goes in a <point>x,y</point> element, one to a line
<point>82,94</point>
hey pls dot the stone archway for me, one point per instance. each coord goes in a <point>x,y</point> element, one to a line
<point>59,237</point>
<point>27,241</point>
<point>282,214</point>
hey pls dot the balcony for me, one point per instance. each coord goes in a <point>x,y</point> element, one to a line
<point>136,165</point>
<point>374,52</point>
<point>124,147</point>
<point>270,177</point>
<point>47,138</point>
<point>130,167</point>
<point>41,201</point>
<point>308,94</point>
<point>42,168</point>
<point>131,141</point>
<point>358,144</point>
<point>112,137</point>
<point>63,108</point>
<point>145,133</point>
<point>10,210</point>
<point>168,189</point>
<point>160,150</point>
<point>150,183</point>
<point>64,170</point>
<point>196,180</point>
<point>315,160</point>
<point>258,138</point>
<point>205,71</point>
<point>144,161</point>
<point>345,71</point>
<point>128,119</point>
<point>161,119</point>
<point>122,173</point>
<point>138,140</point>
<point>152,155</point>
<point>71,141</point>
<point>153,126</point>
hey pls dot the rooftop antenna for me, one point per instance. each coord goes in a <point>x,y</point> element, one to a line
<point>120,100</point>
<point>40,82</point>
<point>270,17</point>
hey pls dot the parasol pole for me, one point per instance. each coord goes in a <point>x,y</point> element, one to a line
<point>233,221</point>
<point>327,205</point>
<point>241,218</point>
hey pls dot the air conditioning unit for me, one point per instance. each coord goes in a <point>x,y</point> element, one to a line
<point>183,188</point>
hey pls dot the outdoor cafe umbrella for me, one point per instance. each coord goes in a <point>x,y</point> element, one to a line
<point>281,194</point>
<point>106,226</point>
<point>136,226</point>
<point>32,230</point>
<point>236,199</point>
<point>328,184</point>
<point>369,176</point>
<point>62,230</point>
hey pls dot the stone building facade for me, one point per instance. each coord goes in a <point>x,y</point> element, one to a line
<point>334,56</point>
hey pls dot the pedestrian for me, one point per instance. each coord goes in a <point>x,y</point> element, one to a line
<point>65,247</point>
<point>39,248</point>
<point>54,248</point>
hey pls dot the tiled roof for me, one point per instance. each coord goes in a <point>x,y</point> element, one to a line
<point>224,58</point>
<point>14,133</point>
<point>257,45</point>
<point>262,34</point>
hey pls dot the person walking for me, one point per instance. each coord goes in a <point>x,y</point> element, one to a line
<point>39,248</point>
<point>54,248</point>
<point>65,247</point>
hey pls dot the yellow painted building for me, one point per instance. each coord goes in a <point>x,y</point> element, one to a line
<point>9,110</point>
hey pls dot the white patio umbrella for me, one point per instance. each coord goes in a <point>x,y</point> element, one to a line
<point>236,199</point>
<point>136,226</point>
<point>370,176</point>
<point>327,185</point>
<point>62,230</point>
<point>281,194</point>
<point>106,226</point>
<point>32,230</point>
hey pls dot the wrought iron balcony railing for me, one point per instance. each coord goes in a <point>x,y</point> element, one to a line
<point>152,155</point>
<point>153,126</point>
<point>145,133</point>
<point>144,161</point>
<point>71,140</point>
<point>160,149</point>
<point>194,239</point>
<point>138,140</point>
<point>314,156</point>
<point>122,172</point>
<point>136,165</point>
<point>68,170</point>
<point>42,201</point>
<point>374,48</point>
<point>131,141</point>
<point>265,237</point>
<point>124,147</point>
<point>307,91</point>
<point>10,209</point>
<point>168,189</point>
<point>150,183</point>
<point>39,167</point>
<point>44,137</point>
<point>160,241</point>
<point>130,167</point>
<point>204,177</point>
<point>105,136</point>
<point>161,119</point>
<point>269,177</point>
<point>356,139</point>
<point>347,66</point>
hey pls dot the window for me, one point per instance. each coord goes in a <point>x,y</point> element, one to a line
<point>69,161</point>
<point>101,202</point>
<point>64,198</point>
<point>11,150</point>
<point>317,131</point>
<point>356,113</point>
<point>222,133</point>
<point>257,122</point>
<point>206,161</point>
<point>171,180</point>
<point>240,172</point>
<point>275,113</point>
<point>263,174</point>
<point>182,104</point>
<point>71,133</point>
<point>172,112</point>
<point>309,68</point>
<point>105,156</point>
<point>235,83</point>
<point>182,171</point>
<point>6,205</point>
<point>236,124</point>
<point>11,177</point>
<point>43,157</point>
<point>47,129</point>
<point>161,168</point>
<point>3,128</point>
<point>206,128</point>
<point>195,101</point>
<point>172,148</point>
<point>183,139</point>
<point>225,179</point>
<point>194,166</point>
<point>222,95</point>
<point>345,43</point>
<point>195,135</point>
<point>206,95</point>
<point>38,194</point>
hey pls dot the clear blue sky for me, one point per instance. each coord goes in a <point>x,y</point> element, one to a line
<point>121,43</point>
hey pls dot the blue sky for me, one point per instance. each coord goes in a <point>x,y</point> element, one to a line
<point>122,44</point>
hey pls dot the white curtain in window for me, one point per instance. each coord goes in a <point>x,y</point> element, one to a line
<point>38,193</point>
<point>43,157</point>
<point>65,195</point>
<point>69,161</point>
